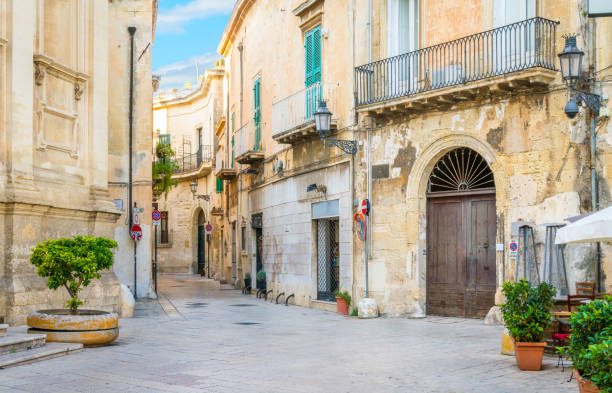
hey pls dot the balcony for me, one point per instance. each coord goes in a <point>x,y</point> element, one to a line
<point>248,145</point>
<point>196,164</point>
<point>519,56</point>
<point>223,170</point>
<point>293,116</point>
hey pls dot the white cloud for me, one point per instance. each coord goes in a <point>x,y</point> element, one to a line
<point>175,75</point>
<point>175,20</point>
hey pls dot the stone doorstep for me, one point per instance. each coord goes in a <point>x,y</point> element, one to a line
<point>3,328</point>
<point>16,341</point>
<point>48,351</point>
<point>324,306</point>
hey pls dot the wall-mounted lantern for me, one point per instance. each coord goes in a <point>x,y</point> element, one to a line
<point>194,189</point>
<point>571,61</point>
<point>323,126</point>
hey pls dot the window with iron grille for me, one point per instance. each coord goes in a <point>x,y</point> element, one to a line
<point>328,258</point>
<point>164,228</point>
<point>163,139</point>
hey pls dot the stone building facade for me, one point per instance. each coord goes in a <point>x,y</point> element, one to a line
<point>187,122</point>
<point>462,140</point>
<point>468,141</point>
<point>56,109</point>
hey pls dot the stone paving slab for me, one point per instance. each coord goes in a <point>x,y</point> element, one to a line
<point>287,349</point>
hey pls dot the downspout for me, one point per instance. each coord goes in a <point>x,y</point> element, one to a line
<point>238,207</point>
<point>369,150</point>
<point>132,31</point>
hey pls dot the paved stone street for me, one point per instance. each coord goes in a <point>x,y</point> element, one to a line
<point>221,341</point>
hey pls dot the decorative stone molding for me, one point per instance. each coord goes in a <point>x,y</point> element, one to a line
<point>310,13</point>
<point>3,42</point>
<point>46,67</point>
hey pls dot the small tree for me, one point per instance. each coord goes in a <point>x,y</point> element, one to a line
<point>72,263</point>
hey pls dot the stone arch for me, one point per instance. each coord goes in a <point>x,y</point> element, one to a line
<point>416,194</point>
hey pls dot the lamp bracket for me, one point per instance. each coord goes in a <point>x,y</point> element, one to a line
<point>205,197</point>
<point>593,101</point>
<point>347,146</point>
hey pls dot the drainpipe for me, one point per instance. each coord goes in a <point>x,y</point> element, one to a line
<point>132,31</point>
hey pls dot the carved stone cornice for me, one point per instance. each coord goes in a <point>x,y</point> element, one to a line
<point>3,42</point>
<point>51,212</point>
<point>310,13</point>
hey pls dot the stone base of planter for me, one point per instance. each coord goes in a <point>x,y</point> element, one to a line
<point>585,386</point>
<point>88,327</point>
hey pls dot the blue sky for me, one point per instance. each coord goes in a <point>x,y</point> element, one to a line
<point>187,32</point>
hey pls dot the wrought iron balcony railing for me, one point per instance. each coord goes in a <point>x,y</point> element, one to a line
<point>515,47</point>
<point>193,161</point>
<point>299,108</point>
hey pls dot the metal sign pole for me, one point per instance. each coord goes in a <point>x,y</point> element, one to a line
<point>366,258</point>
<point>155,260</point>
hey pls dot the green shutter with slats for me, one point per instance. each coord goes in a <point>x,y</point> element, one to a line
<point>313,70</point>
<point>219,186</point>
<point>257,113</point>
<point>233,130</point>
<point>163,139</point>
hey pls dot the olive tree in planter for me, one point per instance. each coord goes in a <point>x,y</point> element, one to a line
<point>590,346</point>
<point>526,314</point>
<point>73,264</point>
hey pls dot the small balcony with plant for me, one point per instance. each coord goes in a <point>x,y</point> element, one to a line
<point>248,146</point>
<point>293,116</point>
<point>515,57</point>
<point>198,163</point>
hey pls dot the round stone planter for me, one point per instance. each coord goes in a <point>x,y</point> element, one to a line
<point>88,327</point>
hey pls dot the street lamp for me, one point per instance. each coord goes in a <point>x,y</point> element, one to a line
<point>571,61</point>
<point>194,189</point>
<point>322,118</point>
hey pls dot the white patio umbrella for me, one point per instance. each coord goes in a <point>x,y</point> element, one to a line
<point>595,227</point>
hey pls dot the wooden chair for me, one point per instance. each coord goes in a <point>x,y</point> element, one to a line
<point>584,291</point>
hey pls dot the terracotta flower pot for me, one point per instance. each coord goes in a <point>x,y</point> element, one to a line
<point>88,327</point>
<point>529,355</point>
<point>342,305</point>
<point>585,386</point>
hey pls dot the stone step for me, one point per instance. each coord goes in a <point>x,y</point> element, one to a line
<point>48,351</point>
<point>16,341</point>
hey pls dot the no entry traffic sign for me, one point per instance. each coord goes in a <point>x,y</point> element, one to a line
<point>365,207</point>
<point>136,232</point>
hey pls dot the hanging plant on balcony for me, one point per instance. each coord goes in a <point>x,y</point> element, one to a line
<point>163,168</point>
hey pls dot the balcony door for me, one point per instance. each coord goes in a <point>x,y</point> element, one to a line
<point>402,38</point>
<point>515,44</point>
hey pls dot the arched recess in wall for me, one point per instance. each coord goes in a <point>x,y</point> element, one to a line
<point>418,196</point>
<point>198,239</point>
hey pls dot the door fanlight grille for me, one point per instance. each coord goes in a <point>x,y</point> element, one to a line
<point>460,169</point>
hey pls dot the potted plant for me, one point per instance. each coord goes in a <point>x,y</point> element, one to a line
<point>590,346</point>
<point>72,264</point>
<point>247,280</point>
<point>343,300</point>
<point>526,314</point>
<point>261,280</point>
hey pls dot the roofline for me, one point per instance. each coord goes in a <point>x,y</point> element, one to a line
<point>217,72</point>
<point>233,24</point>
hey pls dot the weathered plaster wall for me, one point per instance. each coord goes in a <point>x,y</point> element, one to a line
<point>121,15</point>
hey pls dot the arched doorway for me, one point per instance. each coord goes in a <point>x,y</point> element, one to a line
<point>461,226</point>
<point>201,242</point>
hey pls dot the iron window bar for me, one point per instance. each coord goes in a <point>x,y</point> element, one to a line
<point>515,47</point>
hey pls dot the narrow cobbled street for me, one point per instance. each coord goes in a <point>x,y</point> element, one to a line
<point>201,337</point>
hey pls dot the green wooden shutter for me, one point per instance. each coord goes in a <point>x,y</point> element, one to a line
<point>233,130</point>
<point>257,113</point>
<point>219,186</point>
<point>163,139</point>
<point>313,56</point>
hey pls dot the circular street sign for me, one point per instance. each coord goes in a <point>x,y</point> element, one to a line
<point>513,246</point>
<point>360,223</point>
<point>365,207</point>
<point>156,215</point>
<point>136,232</point>
<point>208,228</point>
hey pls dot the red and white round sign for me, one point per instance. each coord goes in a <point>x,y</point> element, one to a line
<point>136,232</point>
<point>365,207</point>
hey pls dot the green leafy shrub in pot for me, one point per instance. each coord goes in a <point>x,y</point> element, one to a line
<point>72,263</point>
<point>590,343</point>
<point>261,275</point>
<point>526,311</point>
<point>344,295</point>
